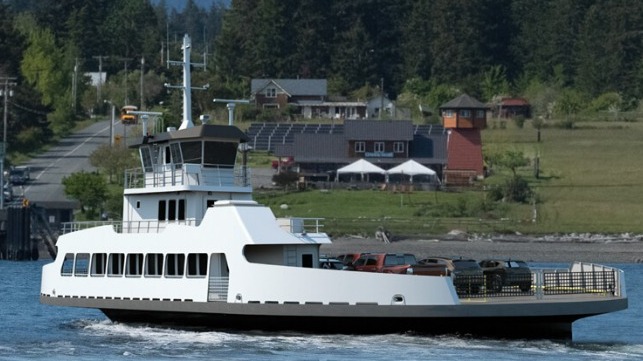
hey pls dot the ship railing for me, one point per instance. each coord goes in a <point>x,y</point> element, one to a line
<point>188,174</point>
<point>126,227</point>
<point>301,225</point>
<point>581,278</point>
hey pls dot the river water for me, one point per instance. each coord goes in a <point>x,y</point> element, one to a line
<point>31,331</point>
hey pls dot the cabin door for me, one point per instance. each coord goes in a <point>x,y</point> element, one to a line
<point>219,278</point>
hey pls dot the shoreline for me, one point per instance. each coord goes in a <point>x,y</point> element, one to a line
<point>549,249</point>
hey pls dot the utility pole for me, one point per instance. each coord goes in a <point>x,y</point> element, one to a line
<point>142,73</point>
<point>100,76</point>
<point>74,86</point>
<point>6,93</point>
<point>125,62</point>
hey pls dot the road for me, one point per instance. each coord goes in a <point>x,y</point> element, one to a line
<point>70,155</point>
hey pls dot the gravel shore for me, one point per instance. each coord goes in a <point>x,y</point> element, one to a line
<point>563,249</point>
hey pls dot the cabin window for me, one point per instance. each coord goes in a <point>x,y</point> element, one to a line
<point>177,158</point>
<point>480,114</point>
<point>174,265</point>
<point>191,152</point>
<point>398,147</point>
<point>146,158</point>
<point>271,92</point>
<point>447,113</point>
<point>68,265</point>
<point>138,204</point>
<point>81,267</point>
<point>307,260</point>
<point>134,264</point>
<point>181,215</point>
<point>360,147</point>
<point>378,147</point>
<point>465,113</point>
<point>154,265</point>
<point>99,262</point>
<point>115,264</point>
<point>197,264</point>
<point>219,154</point>
<point>171,210</point>
<point>161,215</point>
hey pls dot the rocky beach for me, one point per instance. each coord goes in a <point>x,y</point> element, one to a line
<point>610,249</point>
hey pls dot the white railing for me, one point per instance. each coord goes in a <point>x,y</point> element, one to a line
<point>126,227</point>
<point>188,174</point>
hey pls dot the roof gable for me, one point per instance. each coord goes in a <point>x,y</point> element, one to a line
<point>294,87</point>
<point>463,101</point>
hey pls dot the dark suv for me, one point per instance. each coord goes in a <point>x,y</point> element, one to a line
<point>500,273</point>
<point>466,273</point>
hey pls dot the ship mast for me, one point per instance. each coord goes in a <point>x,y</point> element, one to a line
<point>186,122</point>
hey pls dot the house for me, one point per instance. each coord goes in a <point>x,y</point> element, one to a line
<point>464,117</point>
<point>513,107</point>
<point>308,96</point>
<point>380,107</point>
<point>317,156</point>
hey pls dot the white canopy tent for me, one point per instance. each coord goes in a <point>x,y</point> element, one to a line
<point>361,167</point>
<point>411,168</point>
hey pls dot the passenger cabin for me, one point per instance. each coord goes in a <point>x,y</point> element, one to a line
<point>182,173</point>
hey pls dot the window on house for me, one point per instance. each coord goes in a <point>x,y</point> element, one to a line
<point>466,113</point>
<point>379,147</point>
<point>271,92</point>
<point>398,147</point>
<point>447,113</point>
<point>480,114</point>
<point>360,147</point>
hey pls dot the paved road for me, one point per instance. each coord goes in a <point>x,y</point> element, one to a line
<point>70,155</point>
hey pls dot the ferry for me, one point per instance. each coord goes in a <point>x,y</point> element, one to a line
<point>194,250</point>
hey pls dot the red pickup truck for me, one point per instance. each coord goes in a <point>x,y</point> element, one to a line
<point>401,263</point>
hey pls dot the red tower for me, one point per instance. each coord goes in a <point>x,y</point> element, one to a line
<point>464,117</point>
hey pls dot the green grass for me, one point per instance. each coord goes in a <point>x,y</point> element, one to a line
<point>591,180</point>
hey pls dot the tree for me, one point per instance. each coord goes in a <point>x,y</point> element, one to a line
<point>90,189</point>
<point>113,160</point>
<point>512,160</point>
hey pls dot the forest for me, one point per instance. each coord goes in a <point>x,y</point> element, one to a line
<point>567,57</point>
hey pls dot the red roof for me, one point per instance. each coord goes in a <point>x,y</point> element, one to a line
<point>513,102</point>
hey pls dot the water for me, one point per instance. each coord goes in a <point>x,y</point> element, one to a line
<point>31,331</point>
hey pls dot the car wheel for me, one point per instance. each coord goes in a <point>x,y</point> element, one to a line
<point>525,287</point>
<point>494,283</point>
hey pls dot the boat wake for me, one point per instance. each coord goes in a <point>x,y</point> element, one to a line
<point>155,342</point>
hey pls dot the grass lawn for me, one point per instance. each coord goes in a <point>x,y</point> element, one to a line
<point>591,180</point>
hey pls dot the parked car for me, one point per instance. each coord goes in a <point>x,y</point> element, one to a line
<point>348,258</point>
<point>331,263</point>
<point>7,192</point>
<point>402,263</point>
<point>500,273</point>
<point>467,275</point>
<point>19,175</point>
